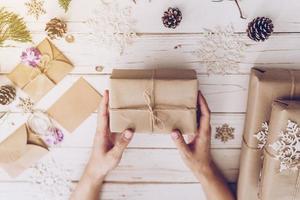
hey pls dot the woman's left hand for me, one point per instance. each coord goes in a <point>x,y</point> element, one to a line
<point>108,147</point>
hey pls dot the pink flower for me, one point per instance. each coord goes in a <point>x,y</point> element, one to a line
<point>58,135</point>
<point>31,56</point>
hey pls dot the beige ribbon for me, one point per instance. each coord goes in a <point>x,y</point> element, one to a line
<point>154,120</point>
<point>293,87</point>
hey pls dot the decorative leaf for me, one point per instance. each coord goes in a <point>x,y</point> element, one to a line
<point>64,4</point>
<point>13,27</point>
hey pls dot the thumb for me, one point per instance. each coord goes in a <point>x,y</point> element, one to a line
<point>122,142</point>
<point>180,143</point>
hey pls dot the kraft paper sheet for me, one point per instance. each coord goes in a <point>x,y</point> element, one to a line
<point>20,150</point>
<point>75,105</point>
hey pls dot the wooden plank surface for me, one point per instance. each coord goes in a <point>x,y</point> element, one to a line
<point>118,191</point>
<point>141,165</point>
<point>151,167</point>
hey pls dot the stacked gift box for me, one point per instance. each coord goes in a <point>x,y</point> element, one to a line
<point>270,156</point>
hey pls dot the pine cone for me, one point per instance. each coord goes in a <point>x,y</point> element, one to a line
<point>260,29</point>
<point>7,94</point>
<point>56,28</point>
<point>172,18</point>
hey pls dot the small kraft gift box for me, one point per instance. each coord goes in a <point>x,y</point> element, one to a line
<point>281,165</point>
<point>157,100</point>
<point>37,81</point>
<point>266,85</point>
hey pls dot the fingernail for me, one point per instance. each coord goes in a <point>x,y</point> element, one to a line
<point>174,135</point>
<point>128,134</point>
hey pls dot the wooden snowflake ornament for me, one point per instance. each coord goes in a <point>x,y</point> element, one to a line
<point>287,147</point>
<point>224,133</point>
<point>262,135</point>
<point>35,8</point>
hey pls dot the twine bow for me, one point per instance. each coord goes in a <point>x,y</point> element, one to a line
<point>293,87</point>
<point>154,120</point>
<point>43,66</point>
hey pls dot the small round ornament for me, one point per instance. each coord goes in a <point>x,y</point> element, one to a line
<point>70,38</point>
<point>99,68</point>
<point>172,17</point>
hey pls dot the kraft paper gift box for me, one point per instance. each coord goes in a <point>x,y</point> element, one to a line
<point>153,100</point>
<point>20,150</point>
<point>38,81</point>
<point>281,166</point>
<point>266,85</point>
<point>75,105</point>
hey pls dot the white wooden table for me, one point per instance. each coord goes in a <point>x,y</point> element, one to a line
<point>151,167</point>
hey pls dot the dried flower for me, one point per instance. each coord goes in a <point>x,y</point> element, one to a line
<point>58,135</point>
<point>53,136</point>
<point>26,104</point>
<point>31,56</point>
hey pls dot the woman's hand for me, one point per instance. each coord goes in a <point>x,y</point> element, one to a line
<point>108,147</point>
<point>197,156</point>
<point>106,154</point>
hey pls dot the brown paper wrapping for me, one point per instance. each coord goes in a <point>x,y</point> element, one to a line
<point>153,100</point>
<point>38,81</point>
<point>278,185</point>
<point>20,150</point>
<point>266,85</point>
<point>75,105</point>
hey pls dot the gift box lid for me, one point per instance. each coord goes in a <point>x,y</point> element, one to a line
<point>157,73</point>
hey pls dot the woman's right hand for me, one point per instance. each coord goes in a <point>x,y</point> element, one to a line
<point>197,156</point>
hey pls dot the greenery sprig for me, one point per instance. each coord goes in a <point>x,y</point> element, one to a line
<point>13,27</point>
<point>64,4</point>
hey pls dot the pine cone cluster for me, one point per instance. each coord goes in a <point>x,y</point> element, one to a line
<point>172,18</point>
<point>7,94</point>
<point>56,28</point>
<point>260,29</point>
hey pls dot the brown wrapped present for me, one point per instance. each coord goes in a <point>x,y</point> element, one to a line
<point>20,150</point>
<point>153,100</point>
<point>75,105</point>
<point>281,166</point>
<point>38,81</point>
<point>266,85</point>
